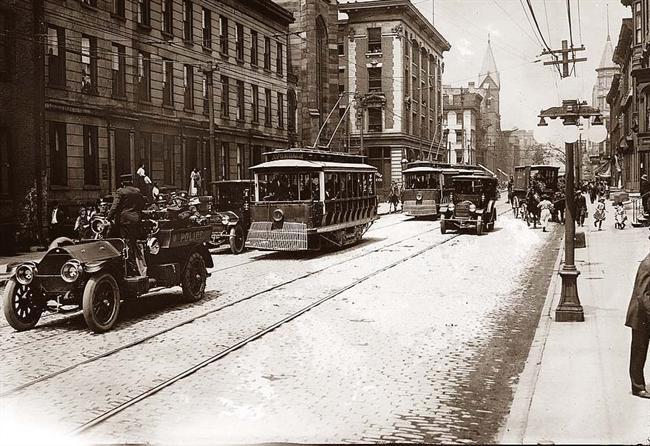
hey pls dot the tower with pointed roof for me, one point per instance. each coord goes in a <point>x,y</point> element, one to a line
<point>606,71</point>
<point>489,82</point>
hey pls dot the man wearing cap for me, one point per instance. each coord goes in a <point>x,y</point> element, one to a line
<point>638,319</point>
<point>125,212</point>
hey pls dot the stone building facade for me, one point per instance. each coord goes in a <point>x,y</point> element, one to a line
<point>128,81</point>
<point>462,123</point>
<point>391,63</point>
<point>314,63</point>
<point>629,99</point>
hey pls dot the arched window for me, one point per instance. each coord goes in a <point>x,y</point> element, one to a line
<point>321,65</point>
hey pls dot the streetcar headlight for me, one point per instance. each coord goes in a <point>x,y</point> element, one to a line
<point>418,197</point>
<point>25,274</point>
<point>278,215</point>
<point>71,270</point>
<point>472,207</point>
<point>451,206</point>
<point>225,219</point>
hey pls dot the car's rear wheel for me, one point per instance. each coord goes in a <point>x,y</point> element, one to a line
<point>18,306</point>
<point>101,302</point>
<point>237,240</point>
<point>194,278</point>
<point>479,226</point>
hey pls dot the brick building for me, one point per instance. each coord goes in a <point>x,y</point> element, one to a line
<point>629,98</point>
<point>21,118</point>
<point>391,60</point>
<point>128,81</point>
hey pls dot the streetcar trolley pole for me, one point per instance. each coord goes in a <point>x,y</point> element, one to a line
<point>570,309</point>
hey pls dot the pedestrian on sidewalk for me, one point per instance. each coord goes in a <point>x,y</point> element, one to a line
<point>638,319</point>
<point>546,208</point>
<point>619,217</point>
<point>581,208</point>
<point>599,214</point>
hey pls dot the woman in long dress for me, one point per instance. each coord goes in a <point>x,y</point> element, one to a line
<point>546,207</point>
<point>599,214</point>
<point>195,183</point>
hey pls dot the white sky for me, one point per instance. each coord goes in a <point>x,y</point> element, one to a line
<point>526,87</point>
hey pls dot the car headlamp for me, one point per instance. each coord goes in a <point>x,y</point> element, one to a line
<point>472,207</point>
<point>25,274</point>
<point>153,246</point>
<point>71,271</point>
<point>225,220</point>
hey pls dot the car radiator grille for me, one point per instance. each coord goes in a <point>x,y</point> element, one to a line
<point>462,210</point>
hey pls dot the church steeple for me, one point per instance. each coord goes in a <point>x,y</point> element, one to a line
<point>489,68</point>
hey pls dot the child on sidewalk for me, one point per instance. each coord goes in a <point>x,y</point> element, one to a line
<point>599,215</point>
<point>619,217</point>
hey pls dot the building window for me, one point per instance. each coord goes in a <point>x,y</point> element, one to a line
<point>459,118</point>
<point>168,159</point>
<point>241,157</point>
<point>239,41</point>
<point>292,106</point>
<point>206,26</point>
<point>144,77</point>
<point>280,110</point>
<point>223,35</point>
<point>118,71</point>
<point>254,47</point>
<point>374,119</point>
<point>56,56</point>
<point>255,91</point>
<point>119,8</point>
<point>240,101</point>
<point>279,68</point>
<point>267,53</point>
<point>225,97</point>
<point>223,160</point>
<point>320,60</point>
<point>88,65</point>
<point>188,86</point>
<point>374,79</point>
<point>168,17</point>
<point>341,49</point>
<point>638,23</point>
<point>267,107</point>
<point>143,149</point>
<point>144,13</point>
<point>91,156</point>
<point>459,137</point>
<point>168,82</point>
<point>188,35</point>
<point>374,40</point>
<point>58,145</point>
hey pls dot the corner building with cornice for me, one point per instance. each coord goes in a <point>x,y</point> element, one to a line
<point>390,67</point>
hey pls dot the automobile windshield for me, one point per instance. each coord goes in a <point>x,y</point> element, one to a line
<point>422,180</point>
<point>289,186</point>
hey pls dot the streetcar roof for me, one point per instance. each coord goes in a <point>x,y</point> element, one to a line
<point>422,169</point>
<point>313,165</point>
<point>473,177</point>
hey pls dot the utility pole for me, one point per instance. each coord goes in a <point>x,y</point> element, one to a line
<point>565,61</point>
<point>39,48</point>
<point>209,80</point>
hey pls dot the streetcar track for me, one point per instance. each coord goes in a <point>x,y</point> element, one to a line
<point>150,336</point>
<point>237,346</point>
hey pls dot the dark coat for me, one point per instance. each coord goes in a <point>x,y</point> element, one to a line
<point>638,311</point>
<point>129,202</point>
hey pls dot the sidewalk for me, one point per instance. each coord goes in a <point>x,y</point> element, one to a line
<point>575,386</point>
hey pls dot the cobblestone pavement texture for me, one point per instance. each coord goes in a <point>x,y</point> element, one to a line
<point>351,370</point>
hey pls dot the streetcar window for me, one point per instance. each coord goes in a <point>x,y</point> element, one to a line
<point>330,186</point>
<point>280,187</point>
<point>305,187</point>
<point>371,184</point>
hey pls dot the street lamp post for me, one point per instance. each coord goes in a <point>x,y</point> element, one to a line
<point>569,309</point>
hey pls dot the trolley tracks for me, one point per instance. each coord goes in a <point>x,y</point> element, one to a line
<point>111,351</point>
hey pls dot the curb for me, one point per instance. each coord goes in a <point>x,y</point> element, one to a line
<point>514,429</point>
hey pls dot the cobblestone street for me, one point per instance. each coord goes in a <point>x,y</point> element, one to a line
<point>349,370</point>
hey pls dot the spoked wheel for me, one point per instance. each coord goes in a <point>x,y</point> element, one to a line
<point>237,240</point>
<point>515,206</point>
<point>18,306</point>
<point>101,302</point>
<point>194,278</point>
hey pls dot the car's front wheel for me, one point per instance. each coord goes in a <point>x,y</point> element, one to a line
<point>101,302</point>
<point>18,306</point>
<point>194,278</point>
<point>237,239</point>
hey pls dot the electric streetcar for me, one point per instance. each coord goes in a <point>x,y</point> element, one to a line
<point>307,199</point>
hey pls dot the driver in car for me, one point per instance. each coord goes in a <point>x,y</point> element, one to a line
<point>128,205</point>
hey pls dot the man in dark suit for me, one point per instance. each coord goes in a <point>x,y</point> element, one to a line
<point>125,212</point>
<point>57,219</point>
<point>638,318</point>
